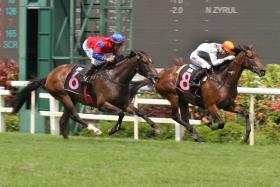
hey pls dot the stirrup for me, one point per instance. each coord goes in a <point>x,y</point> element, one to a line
<point>193,83</point>
<point>85,79</point>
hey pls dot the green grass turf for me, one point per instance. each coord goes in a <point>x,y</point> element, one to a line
<point>45,160</point>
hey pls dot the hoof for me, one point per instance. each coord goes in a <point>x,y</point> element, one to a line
<point>216,127</point>
<point>209,125</point>
<point>95,130</point>
<point>65,137</point>
<point>196,138</point>
<point>157,131</point>
<point>111,131</point>
<point>245,140</point>
<point>98,132</point>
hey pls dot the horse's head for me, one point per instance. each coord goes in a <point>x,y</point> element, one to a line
<point>250,60</point>
<point>145,66</point>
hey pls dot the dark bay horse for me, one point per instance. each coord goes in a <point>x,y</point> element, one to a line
<point>110,88</point>
<point>217,92</point>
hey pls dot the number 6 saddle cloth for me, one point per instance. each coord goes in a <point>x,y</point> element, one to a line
<point>74,84</point>
<point>185,75</point>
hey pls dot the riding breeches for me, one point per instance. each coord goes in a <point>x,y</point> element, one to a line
<point>198,61</point>
<point>89,53</point>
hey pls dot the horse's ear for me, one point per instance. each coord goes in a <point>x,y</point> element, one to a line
<point>237,49</point>
<point>246,47</point>
<point>131,53</point>
<point>242,48</point>
<point>251,46</point>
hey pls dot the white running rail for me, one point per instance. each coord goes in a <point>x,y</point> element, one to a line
<point>54,113</point>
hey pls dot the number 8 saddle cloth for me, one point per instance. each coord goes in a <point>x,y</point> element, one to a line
<point>185,75</point>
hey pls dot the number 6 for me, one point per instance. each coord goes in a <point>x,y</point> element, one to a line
<point>73,82</point>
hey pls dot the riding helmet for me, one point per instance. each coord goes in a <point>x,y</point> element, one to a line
<point>117,38</point>
<point>228,46</point>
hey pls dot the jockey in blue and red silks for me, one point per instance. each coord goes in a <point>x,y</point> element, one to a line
<point>96,47</point>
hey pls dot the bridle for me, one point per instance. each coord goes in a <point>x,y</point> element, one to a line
<point>140,60</point>
<point>222,83</point>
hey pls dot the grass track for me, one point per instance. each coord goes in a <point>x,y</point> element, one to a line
<point>44,160</point>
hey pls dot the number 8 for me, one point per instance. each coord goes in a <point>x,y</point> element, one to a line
<point>185,82</point>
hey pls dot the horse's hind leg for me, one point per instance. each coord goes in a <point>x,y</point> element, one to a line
<point>63,124</point>
<point>174,101</point>
<point>133,110</point>
<point>185,116</point>
<point>69,107</point>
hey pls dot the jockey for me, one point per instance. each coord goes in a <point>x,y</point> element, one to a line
<point>210,54</point>
<point>96,47</point>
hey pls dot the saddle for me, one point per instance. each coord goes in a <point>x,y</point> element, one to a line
<point>74,83</point>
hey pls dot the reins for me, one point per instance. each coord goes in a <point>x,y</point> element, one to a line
<point>222,83</point>
<point>109,77</point>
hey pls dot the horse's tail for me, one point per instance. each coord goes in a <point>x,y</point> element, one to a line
<point>177,61</point>
<point>22,96</point>
<point>134,86</point>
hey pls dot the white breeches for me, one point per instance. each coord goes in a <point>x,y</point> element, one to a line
<point>89,53</point>
<point>198,61</point>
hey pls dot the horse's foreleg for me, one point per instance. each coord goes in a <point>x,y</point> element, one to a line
<point>113,108</point>
<point>215,114</point>
<point>133,110</point>
<point>69,107</point>
<point>242,111</point>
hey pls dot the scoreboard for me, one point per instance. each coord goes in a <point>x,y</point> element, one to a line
<point>9,29</point>
<point>174,28</point>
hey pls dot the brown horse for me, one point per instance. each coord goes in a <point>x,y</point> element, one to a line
<point>218,91</point>
<point>110,88</point>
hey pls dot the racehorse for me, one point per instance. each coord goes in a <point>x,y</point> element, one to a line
<point>217,92</point>
<point>110,88</point>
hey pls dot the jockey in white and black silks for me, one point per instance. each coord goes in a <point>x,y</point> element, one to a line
<point>210,54</point>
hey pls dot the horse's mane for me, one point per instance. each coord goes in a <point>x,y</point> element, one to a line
<point>120,60</point>
<point>178,61</point>
<point>130,55</point>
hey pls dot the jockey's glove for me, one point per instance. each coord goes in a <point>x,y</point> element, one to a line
<point>110,58</point>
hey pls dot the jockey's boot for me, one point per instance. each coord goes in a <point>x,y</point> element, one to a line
<point>90,69</point>
<point>197,77</point>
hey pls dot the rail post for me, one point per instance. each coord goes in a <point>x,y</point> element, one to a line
<point>32,112</point>
<point>54,120</point>
<point>179,132</point>
<point>252,117</point>
<point>136,120</point>
<point>2,118</point>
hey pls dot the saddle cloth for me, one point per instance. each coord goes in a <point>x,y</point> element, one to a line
<point>185,75</point>
<point>74,84</point>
